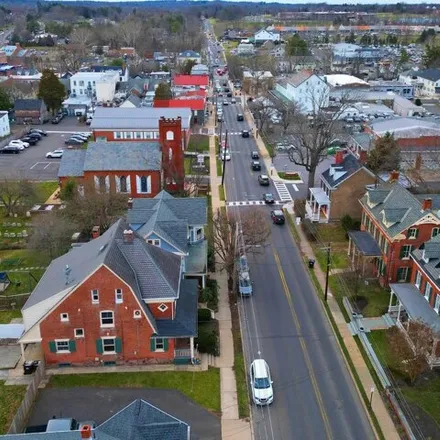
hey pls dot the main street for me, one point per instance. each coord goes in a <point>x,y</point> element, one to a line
<point>284,323</point>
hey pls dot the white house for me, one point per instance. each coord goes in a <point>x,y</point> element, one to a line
<point>100,86</point>
<point>263,35</point>
<point>245,49</point>
<point>5,129</point>
<point>430,81</point>
<point>306,89</point>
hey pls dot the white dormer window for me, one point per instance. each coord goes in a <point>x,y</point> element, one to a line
<point>154,241</point>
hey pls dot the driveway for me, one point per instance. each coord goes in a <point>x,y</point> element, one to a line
<point>99,404</point>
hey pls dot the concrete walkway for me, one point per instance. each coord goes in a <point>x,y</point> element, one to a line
<point>378,406</point>
<point>233,428</point>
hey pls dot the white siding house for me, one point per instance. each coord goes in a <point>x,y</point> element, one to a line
<point>263,35</point>
<point>5,129</point>
<point>98,85</point>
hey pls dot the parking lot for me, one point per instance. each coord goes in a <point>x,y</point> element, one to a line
<point>31,163</point>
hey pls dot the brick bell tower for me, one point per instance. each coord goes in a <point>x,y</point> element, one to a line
<point>173,169</point>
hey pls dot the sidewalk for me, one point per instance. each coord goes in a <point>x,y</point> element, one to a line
<point>233,428</point>
<point>378,406</point>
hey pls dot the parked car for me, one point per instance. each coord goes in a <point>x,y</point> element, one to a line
<point>219,118</point>
<point>268,198</point>
<point>56,120</point>
<point>263,180</point>
<point>255,165</point>
<point>240,117</point>
<point>37,136</point>
<point>225,154</point>
<point>233,101</point>
<point>10,149</point>
<point>55,154</point>
<point>225,102</point>
<point>18,143</point>
<point>229,95</point>
<point>245,133</point>
<point>74,141</point>
<point>29,140</point>
<point>261,382</point>
<point>255,155</point>
<point>79,136</point>
<point>277,217</point>
<point>37,130</point>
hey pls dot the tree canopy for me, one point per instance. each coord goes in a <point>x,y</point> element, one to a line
<point>51,91</point>
<point>296,46</point>
<point>385,156</point>
<point>163,91</point>
<point>186,67</point>
<point>431,57</point>
<point>5,102</point>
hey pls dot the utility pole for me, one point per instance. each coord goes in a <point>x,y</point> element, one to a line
<point>224,157</point>
<point>327,272</point>
<point>220,139</point>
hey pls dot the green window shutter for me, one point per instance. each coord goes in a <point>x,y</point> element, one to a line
<point>72,346</point>
<point>152,345</point>
<point>118,345</point>
<point>99,349</point>
<point>408,275</point>
<point>52,347</point>
<point>165,345</point>
<point>417,232</point>
<point>399,274</point>
<point>402,251</point>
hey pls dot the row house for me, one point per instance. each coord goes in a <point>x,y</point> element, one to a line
<point>136,124</point>
<point>394,223</point>
<point>138,169</point>
<point>176,225</point>
<point>114,300</point>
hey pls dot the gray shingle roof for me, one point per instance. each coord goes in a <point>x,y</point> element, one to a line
<point>135,100</point>
<point>431,251</point>
<point>342,171</point>
<point>394,207</point>
<point>127,156</point>
<point>168,217</point>
<point>365,243</point>
<point>72,163</point>
<point>28,104</point>
<point>298,78</point>
<point>429,74</point>
<point>136,118</point>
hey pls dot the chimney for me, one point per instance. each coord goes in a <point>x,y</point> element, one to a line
<point>128,236</point>
<point>339,157</point>
<point>86,432</point>
<point>394,176</point>
<point>96,232</point>
<point>427,204</point>
<point>363,156</point>
<point>130,203</point>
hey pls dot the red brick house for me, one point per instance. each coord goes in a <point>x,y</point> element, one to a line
<point>394,223</point>
<point>114,300</point>
<point>138,169</point>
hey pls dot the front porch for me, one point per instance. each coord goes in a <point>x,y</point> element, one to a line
<point>365,254</point>
<point>413,306</point>
<point>318,206</point>
<point>184,351</point>
<point>196,261</point>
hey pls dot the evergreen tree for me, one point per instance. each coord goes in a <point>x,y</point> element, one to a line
<point>186,67</point>
<point>5,102</point>
<point>163,91</point>
<point>296,46</point>
<point>385,156</point>
<point>51,91</point>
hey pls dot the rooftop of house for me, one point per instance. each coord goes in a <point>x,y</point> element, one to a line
<point>364,140</point>
<point>298,78</point>
<point>136,118</point>
<point>28,104</point>
<point>135,100</point>
<point>111,156</point>
<point>406,127</point>
<point>193,103</point>
<point>394,207</point>
<point>168,217</point>
<point>189,54</point>
<point>341,171</point>
<point>429,74</point>
<point>191,80</point>
<point>340,80</point>
<point>138,421</point>
<point>428,257</point>
<point>260,75</point>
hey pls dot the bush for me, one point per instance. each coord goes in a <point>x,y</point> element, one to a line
<point>209,294</point>
<point>207,340</point>
<point>211,259</point>
<point>350,224</point>
<point>300,208</point>
<point>204,315</point>
<point>309,230</point>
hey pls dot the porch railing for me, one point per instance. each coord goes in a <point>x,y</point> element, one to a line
<point>182,353</point>
<point>314,217</point>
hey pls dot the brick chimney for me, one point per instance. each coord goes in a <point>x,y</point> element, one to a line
<point>96,232</point>
<point>427,204</point>
<point>363,156</point>
<point>394,176</point>
<point>86,432</point>
<point>128,236</point>
<point>339,157</point>
<point>130,203</point>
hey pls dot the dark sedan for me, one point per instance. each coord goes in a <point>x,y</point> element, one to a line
<point>74,141</point>
<point>29,140</point>
<point>268,198</point>
<point>263,180</point>
<point>277,217</point>
<point>10,149</point>
<point>256,166</point>
<point>245,133</point>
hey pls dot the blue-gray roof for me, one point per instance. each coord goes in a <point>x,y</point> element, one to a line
<point>168,217</point>
<point>428,258</point>
<point>341,172</point>
<point>365,243</point>
<point>72,163</point>
<point>394,207</point>
<point>138,421</point>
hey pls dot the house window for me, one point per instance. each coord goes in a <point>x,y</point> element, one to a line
<point>81,83</point>
<point>428,290</point>
<point>158,344</point>
<point>154,241</point>
<point>128,135</point>
<point>402,274</point>
<point>163,307</point>
<point>413,232</point>
<point>405,250</point>
<point>62,346</point>
<point>95,296</point>
<point>418,279</point>
<point>138,134</point>
<point>437,303</point>
<point>144,184</point>
<point>74,83</point>
<point>118,134</point>
<point>118,296</point>
<point>79,333</point>
<point>101,183</point>
<point>434,232</point>
<point>108,345</point>
<point>107,319</point>
<point>64,317</point>
<point>123,184</point>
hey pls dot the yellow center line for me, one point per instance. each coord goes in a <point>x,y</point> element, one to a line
<point>304,348</point>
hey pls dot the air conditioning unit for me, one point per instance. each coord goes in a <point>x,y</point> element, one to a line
<point>137,314</point>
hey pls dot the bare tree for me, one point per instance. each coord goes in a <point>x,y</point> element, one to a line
<point>130,30</point>
<point>287,113</point>
<point>70,57</point>
<point>262,109</point>
<point>314,132</point>
<point>16,194</point>
<point>412,354</point>
<point>81,35</point>
<point>229,230</point>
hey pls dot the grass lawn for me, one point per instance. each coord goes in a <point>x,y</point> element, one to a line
<point>221,190</point>
<point>45,190</point>
<point>7,315</point>
<point>219,166</point>
<point>242,390</point>
<point>203,386</point>
<point>10,400</point>
<point>16,258</point>
<point>187,165</point>
<point>22,282</point>
<point>289,176</point>
<point>331,232</point>
<point>199,143</point>
<point>338,257</point>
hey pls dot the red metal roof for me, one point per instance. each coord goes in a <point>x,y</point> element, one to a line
<point>193,104</point>
<point>191,80</point>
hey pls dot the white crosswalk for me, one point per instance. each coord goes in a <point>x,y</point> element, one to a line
<point>251,203</point>
<point>282,191</point>
<point>232,134</point>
